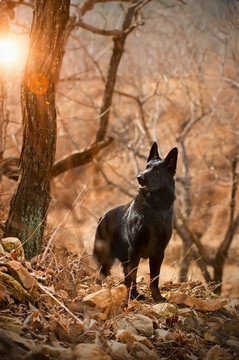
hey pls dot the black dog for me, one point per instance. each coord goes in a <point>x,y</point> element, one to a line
<point>141,228</point>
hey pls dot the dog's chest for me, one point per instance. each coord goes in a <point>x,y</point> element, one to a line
<point>149,234</point>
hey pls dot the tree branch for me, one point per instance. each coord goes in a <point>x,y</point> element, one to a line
<point>140,103</point>
<point>232,82</point>
<point>93,29</point>
<point>117,53</point>
<point>89,4</point>
<point>111,183</point>
<point>79,158</point>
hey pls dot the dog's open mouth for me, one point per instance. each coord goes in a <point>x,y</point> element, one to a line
<point>145,187</point>
<point>142,186</point>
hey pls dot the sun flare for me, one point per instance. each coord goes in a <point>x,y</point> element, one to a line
<point>8,51</point>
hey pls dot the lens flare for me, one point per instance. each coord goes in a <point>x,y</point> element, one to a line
<point>38,84</point>
<point>8,51</point>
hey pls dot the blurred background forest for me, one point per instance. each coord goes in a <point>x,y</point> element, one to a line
<point>177,84</point>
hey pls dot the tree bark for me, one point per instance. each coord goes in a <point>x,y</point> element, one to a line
<point>30,203</point>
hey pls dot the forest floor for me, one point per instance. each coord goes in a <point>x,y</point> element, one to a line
<point>55,310</point>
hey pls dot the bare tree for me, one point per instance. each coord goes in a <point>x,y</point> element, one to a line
<point>30,203</point>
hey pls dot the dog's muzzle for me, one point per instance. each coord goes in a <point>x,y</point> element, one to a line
<point>141,180</point>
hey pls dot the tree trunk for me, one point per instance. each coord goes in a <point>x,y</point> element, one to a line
<point>222,252</point>
<point>186,261</point>
<point>118,50</point>
<point>30,203</point>
<point>188,240</point>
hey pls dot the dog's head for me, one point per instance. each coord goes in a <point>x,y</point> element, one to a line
<point>159,173</point>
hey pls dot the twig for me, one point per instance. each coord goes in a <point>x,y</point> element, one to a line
<point>60,224</point>
<point>61,304</point>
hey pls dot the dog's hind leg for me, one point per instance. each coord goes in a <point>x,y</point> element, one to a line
<point>104,259</point>
<point>155,265</point>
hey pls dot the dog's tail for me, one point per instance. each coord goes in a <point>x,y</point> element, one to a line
<point>102,249</point>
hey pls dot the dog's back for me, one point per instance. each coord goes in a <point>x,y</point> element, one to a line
<point>141,228</point>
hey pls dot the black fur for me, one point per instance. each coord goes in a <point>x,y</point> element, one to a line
<point>141,228</point>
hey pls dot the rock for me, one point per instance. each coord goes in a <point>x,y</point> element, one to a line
<point>118,351</point>
<point>15,289</point>
<point>118,294</point>
<point>100,299</point>
<point>164,309</point>
<point>140,351</point>
<point>90,352</point>
<point>124,324</point>
<point>218,353</point>
<point>57,352</point>
<point>197,304</point>
<point>13,243</point>
<point>143,324</point>
<point>105,300</point>
<point>164,335</point>
<point>19,273</point>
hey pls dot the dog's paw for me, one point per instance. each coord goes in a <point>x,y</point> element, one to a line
<point>158,297</point>
<point>136,296</point>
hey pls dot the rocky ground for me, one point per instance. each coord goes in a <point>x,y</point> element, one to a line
<point>56,311</point>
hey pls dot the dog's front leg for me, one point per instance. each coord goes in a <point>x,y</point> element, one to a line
<point>130,272</point>
<point>155,265</point>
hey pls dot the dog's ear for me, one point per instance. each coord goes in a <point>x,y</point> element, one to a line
<point>153,152</point>
<point>171,160</point>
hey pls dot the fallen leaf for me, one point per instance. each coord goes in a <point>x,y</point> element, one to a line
<point>172,320</point>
